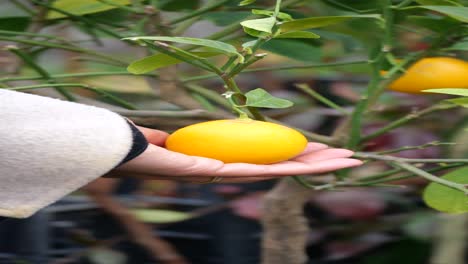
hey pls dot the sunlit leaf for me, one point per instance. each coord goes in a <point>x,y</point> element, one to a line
<point>462,101</point>
<point>298,34</point>
<point>459,46</point>
<point>451,91</point>
<point>217,45</point>
<point>446,199</point>
<point>316,22</point>
<point>82,7</point>
<point>160,60</point>
<point>262,24</point>
<point>281,15</point>
<point>261,98</point>
<point>246,2</point>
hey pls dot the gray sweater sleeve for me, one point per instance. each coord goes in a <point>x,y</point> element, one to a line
<point>49,148</point>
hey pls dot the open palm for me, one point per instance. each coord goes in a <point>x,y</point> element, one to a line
<point>157,162</point>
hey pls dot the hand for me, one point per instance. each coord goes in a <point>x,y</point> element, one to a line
<point>156,162</point>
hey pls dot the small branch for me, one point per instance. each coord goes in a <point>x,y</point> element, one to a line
<point>41,71</point>
<point>306,89</point>
<point>310,135</point>
<point>23,7</point>
<point>378,180</point>
<point>431,177</point>
<point>355,120</point>
<point>199,12</point>
<point>373,156</point>
<point>64,47</point>
<point>282,68</point>
<point>229,62</point>
<point>111,97</point>
<point>209,94</point>
<point>403,4</point>
<point>367,182</point>
<point>405,148</point>
<point>381,175</point>
<point>170,114</point>
<point>73,75</point>
<point>240,67</point>
<point>408,118</point>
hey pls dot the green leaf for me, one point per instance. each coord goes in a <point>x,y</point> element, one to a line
<point>298,49</point>
<point>82,7</point>
<point>281,15</point>
<point>262,24</point>
<point>261,98</point>
<point>446,199</point>
<point>451,91</point>
<point>217,45</point>
<point>177,5</point>
<point>438,2</point>
<point>355,6</point>
<point>225,18</point>
<point>437,24</point>
<point>256,33</point>
<point>249,44</point>
<point>315,22</point>
<point>456,12</point>
<point>14,23</point>
<point>246,2</point>
<point>298,34</point>
<point>462,101</point>
<point>463,45</point>
<point>160,60</point>
<point>158,216</point>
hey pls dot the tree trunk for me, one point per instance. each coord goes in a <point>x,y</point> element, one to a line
<point>284,225</point>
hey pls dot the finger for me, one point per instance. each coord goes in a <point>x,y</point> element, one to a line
<point>286,168</point>
<point>316,167</point>
<point>324,154</point>
<point>154,136</point>
<point>312,147</point>
<point>202,179</point>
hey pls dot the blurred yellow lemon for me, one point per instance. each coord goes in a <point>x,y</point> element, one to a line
<point>432,73</point>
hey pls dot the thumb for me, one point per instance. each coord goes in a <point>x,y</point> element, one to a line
<point>154,136</point>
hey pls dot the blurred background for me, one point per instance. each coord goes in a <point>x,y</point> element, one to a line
<point>133,221</point>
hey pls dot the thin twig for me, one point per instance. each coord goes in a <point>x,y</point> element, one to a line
<point>409,117</point>
<point>108,95</point>
<point>306,89</point>
<point>431,177</point>
<point>405,148</point>
<point>373,156</point>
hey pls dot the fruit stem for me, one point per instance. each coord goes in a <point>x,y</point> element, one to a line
<point>230,97</point>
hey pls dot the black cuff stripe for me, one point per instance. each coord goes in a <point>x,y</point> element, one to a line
<point>139,144</point>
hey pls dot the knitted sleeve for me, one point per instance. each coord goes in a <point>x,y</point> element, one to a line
<point>49,148</point>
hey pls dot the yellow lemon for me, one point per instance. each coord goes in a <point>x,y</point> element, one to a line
<point>432,73</point>
<point>238,140</point>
